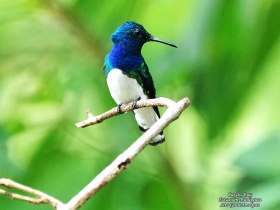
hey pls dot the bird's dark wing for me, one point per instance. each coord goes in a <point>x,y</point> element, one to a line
<point>145,79</point>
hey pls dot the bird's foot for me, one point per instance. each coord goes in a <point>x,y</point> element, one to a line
<point>134,104</point>
<point>119,108</point>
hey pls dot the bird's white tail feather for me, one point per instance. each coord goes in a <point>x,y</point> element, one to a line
<point>145,118</point>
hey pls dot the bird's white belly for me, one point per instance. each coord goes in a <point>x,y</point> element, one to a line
<point>125,90</point>
<point>122,88</point>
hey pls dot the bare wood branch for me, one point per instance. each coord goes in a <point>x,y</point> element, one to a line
<point>92,120</point>
<point>41,198</point>
<point>116,167</point>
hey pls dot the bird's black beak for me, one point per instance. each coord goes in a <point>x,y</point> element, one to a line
<point>154,39</point>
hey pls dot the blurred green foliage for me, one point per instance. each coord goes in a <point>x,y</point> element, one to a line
<point>227,63</point>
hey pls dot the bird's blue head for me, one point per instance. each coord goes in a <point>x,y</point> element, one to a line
<point>133,36</point>
<point>128,41</point>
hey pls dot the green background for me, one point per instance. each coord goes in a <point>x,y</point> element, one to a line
<point>227,63</point>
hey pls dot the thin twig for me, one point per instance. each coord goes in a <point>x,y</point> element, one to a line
<point>92,120</point>
<point>41,198</point>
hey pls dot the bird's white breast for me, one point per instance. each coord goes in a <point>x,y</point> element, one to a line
<point>122,88</point>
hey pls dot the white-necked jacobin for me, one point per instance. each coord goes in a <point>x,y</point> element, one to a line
<point>128,76</point>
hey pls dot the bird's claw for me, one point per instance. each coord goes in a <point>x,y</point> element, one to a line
<point>119,108</point>
<point>134,104</point>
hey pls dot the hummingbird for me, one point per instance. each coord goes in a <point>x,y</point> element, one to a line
<point>127,74</point>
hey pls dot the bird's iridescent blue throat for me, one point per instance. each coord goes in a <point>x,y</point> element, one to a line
<point>128,40</point>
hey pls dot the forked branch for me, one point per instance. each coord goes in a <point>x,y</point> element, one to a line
<point>117,166</point>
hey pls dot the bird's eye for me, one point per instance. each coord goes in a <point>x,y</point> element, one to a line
<point>137,32</point>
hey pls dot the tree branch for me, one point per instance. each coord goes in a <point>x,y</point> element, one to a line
<point>41,198</point>
<point>117,166</point>
<point>92,120</point>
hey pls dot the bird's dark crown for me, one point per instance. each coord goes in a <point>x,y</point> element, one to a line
<point>131,33</point>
